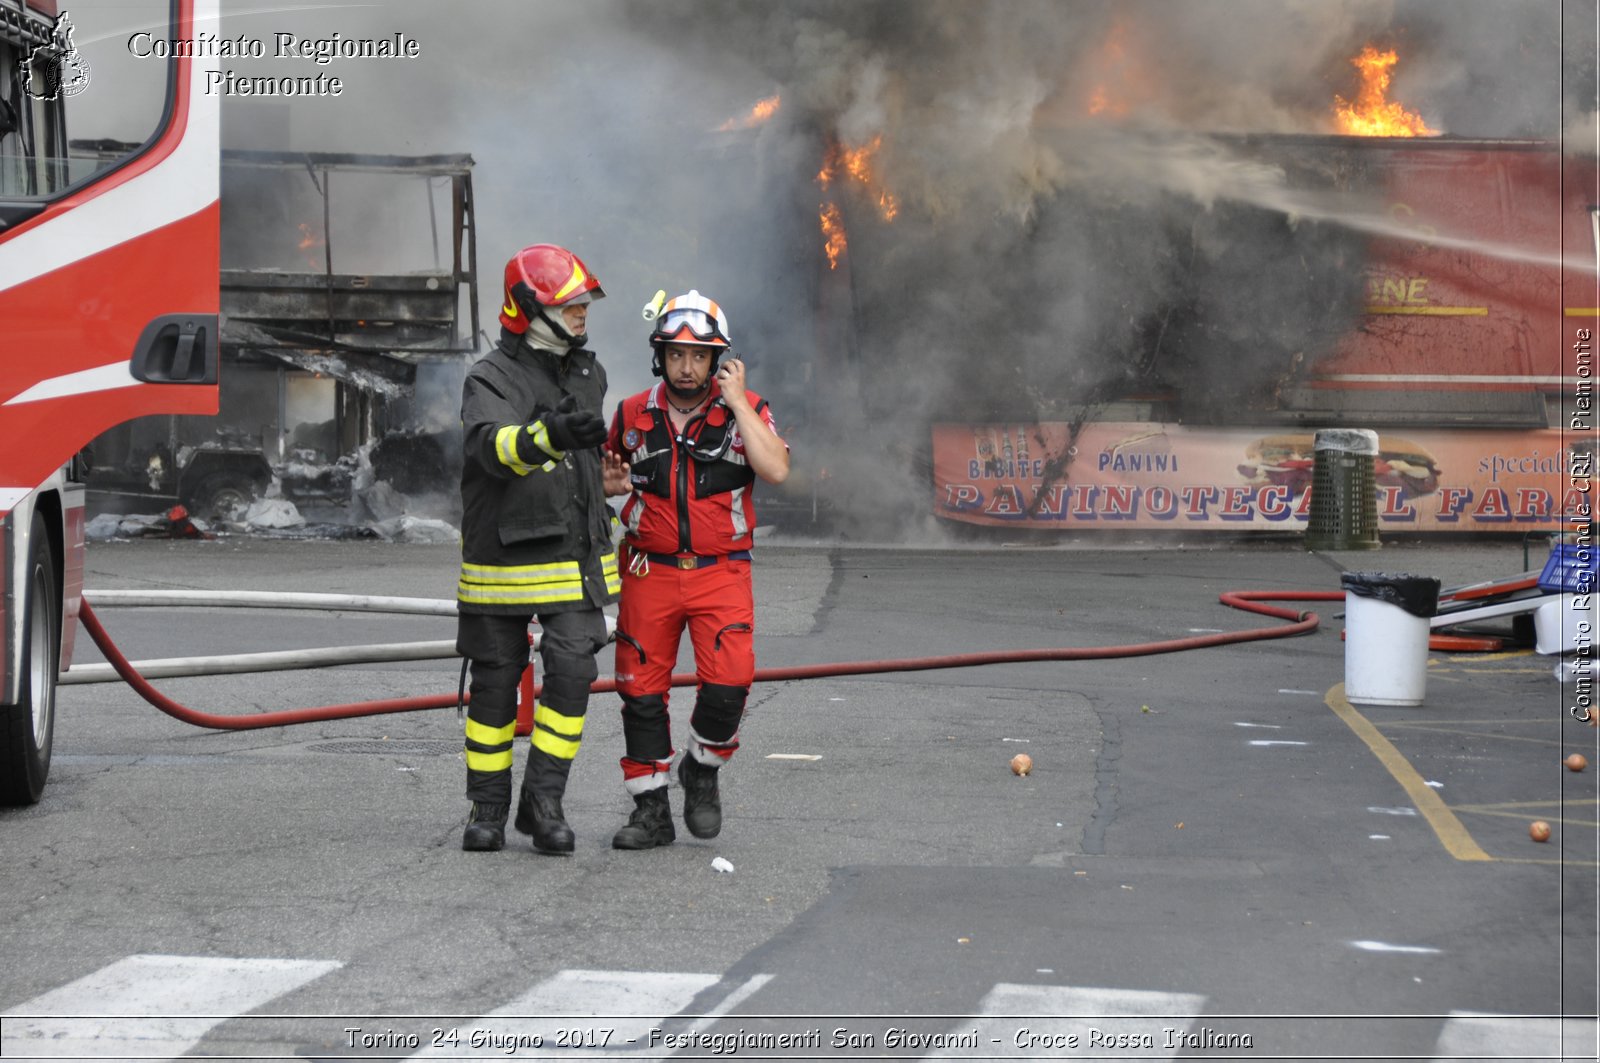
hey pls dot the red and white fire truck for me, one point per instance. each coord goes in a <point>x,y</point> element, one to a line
<point>108,311</point>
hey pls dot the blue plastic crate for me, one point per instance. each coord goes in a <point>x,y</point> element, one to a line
<point>1571,568</point>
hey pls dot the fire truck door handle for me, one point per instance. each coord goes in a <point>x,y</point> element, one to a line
<point>183,356</point>
<point>177,349</point>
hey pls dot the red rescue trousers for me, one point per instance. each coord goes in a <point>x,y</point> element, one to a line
<point>660,598</point>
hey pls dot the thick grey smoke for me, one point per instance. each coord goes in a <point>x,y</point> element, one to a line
<point>1084,210</point>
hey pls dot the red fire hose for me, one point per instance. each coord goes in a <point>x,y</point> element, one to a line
<point>1304,623</point>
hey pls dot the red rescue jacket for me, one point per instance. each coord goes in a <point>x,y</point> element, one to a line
<point>691,492</point>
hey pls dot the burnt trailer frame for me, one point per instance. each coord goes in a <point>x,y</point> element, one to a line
<point>361,336</point>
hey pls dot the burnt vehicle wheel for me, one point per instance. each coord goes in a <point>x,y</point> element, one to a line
<point>27,727</point>
<point>222,496</point>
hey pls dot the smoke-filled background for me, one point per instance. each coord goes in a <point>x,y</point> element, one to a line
<point>1057,204</point>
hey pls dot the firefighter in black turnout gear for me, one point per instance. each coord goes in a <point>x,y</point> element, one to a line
<point>536,542</point>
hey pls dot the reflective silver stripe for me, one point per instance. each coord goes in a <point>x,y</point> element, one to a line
<point>554,572</point>
<point>541,439</point>
<point>477,594</point>
<point>558,581</point>
<point>505,448</point>
<point>739,525</point>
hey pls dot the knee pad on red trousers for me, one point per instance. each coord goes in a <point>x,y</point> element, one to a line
<point>646,727</point>
<point>717,712</point>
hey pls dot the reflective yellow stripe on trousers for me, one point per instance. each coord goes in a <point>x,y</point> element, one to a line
<point>500,738</point>
<point>556,734</point>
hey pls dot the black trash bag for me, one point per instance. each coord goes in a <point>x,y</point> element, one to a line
<point>1417,595</point>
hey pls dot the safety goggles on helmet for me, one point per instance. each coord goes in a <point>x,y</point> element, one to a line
<point>692,319</point>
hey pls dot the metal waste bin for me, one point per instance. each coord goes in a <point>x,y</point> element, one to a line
<point>1386,630</point>
<point>1344,491</point>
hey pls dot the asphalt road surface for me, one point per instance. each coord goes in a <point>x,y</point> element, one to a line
<point>1216,855</point>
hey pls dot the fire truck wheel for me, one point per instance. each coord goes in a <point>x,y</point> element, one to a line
<point>27,727</point>
<point>222,496</point>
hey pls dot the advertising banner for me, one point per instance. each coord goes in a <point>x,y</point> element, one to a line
<point>1144,475</point>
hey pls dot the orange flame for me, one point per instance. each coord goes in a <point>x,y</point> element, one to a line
<point>833,229</point>
<point>1113,73</point>
<point>763,110</point>
<point>853,164</point>
<point>1373,114</point>
<point>856,164</point>
<point>309,241</point>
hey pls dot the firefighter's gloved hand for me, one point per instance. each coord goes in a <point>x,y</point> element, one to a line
<point>570,428</point>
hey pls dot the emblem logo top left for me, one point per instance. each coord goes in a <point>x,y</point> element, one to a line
<point>56,68</point>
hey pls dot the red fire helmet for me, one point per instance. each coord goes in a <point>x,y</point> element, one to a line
<point>545,275</point>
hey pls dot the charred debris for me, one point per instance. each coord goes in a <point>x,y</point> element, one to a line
<point>349,316</point>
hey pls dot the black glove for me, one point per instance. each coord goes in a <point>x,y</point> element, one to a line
<point>570,428</point>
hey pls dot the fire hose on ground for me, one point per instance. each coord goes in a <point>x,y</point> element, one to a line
<point>1249,601</point>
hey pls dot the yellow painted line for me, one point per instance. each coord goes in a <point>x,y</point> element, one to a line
<point>1470,734</point>
<point>1451,834</point>
<point>1432,311</point>
<point>1530,804</point>
<point>1557,862</point>
<point>1504,655</point>
<point>1562,820</point>
<point>1505,721</point>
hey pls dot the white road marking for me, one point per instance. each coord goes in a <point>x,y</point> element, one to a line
<point>1276,742</point>
<point>739,996</point>
<point>1313,693</point>
<point>1267,726</point>
<point>1403,810</point>
<point>793,756</point>
<point>1053,1016</point>
<point>1384,946</point>
<point>1485,1035</point>
<point>148,1006</point>
<point>630,1003</point>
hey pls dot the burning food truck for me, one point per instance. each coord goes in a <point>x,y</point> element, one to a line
<point>1455,319</point>
<point>1155,338</point>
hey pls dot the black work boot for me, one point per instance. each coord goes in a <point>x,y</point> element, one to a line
<point>702,808</point>
<point>649,825</point>
<point>540,815</point>
<point>486,828</point>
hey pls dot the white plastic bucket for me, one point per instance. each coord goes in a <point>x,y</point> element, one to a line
<point>1385,653</point>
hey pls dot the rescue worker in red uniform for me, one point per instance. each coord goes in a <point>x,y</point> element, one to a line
<point>693,445</point>
<point>536,541</point>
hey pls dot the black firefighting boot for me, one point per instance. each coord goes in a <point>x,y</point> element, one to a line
<point>539,810</point>
<point>702,808</point>
<point>540,815</point>
<point>486,828</point>
<point>649,825</point>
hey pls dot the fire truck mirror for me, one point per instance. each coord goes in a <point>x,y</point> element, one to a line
<point>177,349</point>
